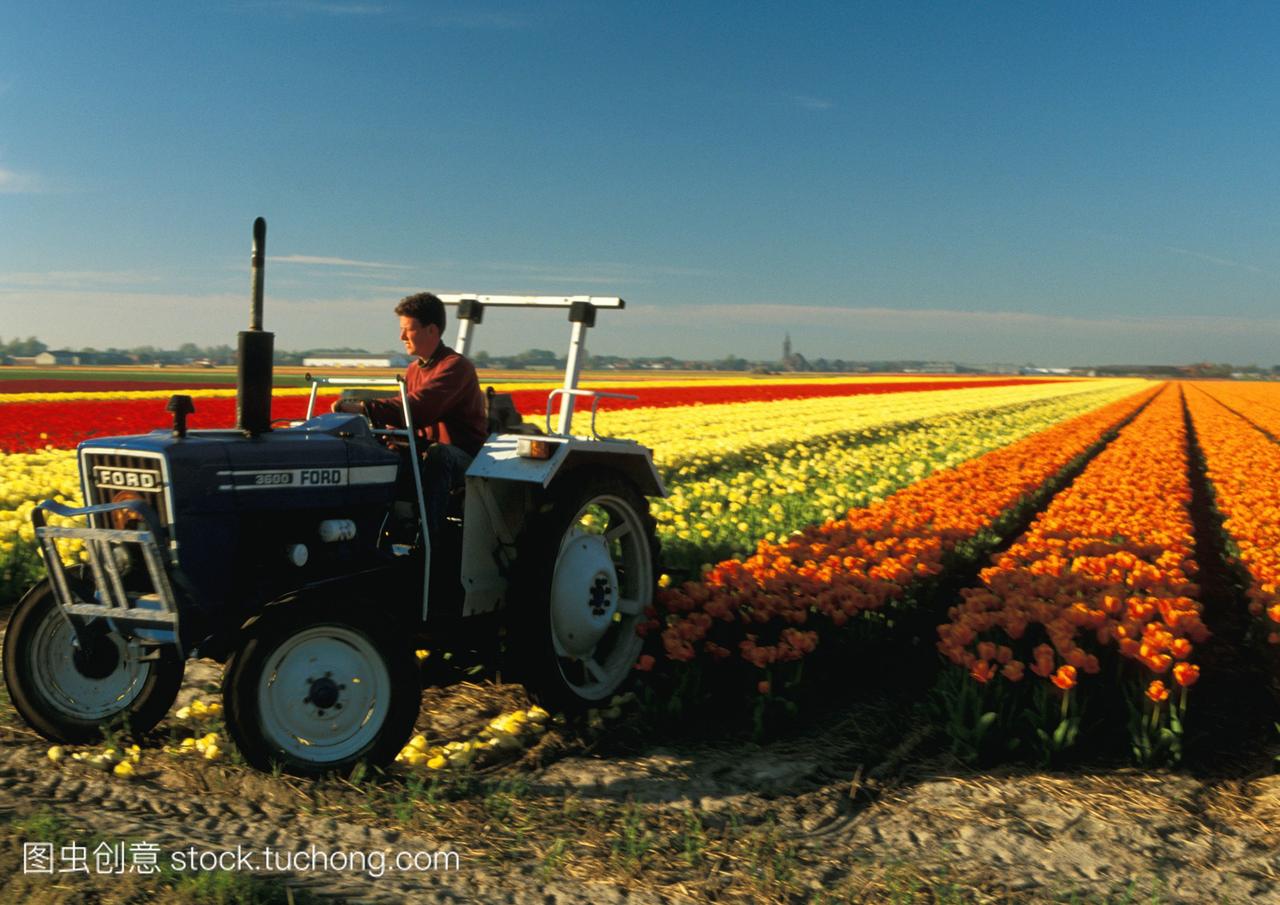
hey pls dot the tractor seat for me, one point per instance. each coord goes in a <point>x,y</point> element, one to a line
<point>503,417</point>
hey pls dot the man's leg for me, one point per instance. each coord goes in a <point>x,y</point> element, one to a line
<point>444,469</point>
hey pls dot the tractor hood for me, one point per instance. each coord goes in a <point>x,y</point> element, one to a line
<point>331,460</point>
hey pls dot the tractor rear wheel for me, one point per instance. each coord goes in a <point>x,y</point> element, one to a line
<point>70,695</point>
<point>587,568</point>
<point>316,689</point>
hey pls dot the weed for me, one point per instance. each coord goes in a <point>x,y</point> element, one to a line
<point>634,841</point>
<point>694,839</point>
<point>502,799</point>
<point>42,826</point>
<point>554,859</point>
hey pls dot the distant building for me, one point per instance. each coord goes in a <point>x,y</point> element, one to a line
<point>792,361</point>
<point>46,359</point>
<point>354,360</point>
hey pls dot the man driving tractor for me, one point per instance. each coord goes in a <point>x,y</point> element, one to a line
<point>444,398</point>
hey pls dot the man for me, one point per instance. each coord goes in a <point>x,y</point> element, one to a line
<point>444,400</point>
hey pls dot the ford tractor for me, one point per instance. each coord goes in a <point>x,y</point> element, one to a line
<point>297,554</point>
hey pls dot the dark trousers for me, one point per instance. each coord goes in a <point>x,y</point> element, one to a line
<point>444,468</point>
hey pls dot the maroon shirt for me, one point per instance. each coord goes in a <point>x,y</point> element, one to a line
<point>444,399</point>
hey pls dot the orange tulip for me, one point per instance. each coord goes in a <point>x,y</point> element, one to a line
<point>1186,674</point>
<point>1065,678</point>
<point>1157,692</point>
<point>982,672</point>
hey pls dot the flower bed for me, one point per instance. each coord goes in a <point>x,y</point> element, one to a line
<point>772,608</point>
<point>1103,574</point>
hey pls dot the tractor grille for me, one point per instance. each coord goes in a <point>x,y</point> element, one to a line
<point>111,474</point>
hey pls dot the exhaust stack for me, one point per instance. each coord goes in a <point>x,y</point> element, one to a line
<point>253,374</point>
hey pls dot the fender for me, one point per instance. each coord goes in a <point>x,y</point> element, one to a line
<point>500,488</point>
<point>385,580</point>
<point>497,459</point>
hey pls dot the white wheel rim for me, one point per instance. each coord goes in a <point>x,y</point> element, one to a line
<point>61,685</point>
<point>603,568</point>
<point>324,694</point>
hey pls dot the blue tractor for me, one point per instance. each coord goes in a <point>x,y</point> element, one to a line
<point>296,555</point>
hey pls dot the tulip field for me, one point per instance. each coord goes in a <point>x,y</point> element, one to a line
<point>744,461</point>
<point>1039,533</point>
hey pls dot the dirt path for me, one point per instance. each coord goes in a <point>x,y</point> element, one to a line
<point>911,824</point>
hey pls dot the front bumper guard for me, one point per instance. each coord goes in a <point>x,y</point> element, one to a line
<point>150,614</point>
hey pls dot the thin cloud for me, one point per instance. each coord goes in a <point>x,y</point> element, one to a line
<point>321,8</point>
<point>396,290</point>
<point>480,20</point>
<point>1213,259</point>
<point>597,273</point>
<point>467,19</point>
<point>76,279</point>
<point>953,321</point>
<point>809,102</point>
<point>13,183</point>
<point>320,261</point>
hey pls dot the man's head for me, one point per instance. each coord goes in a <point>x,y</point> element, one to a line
<point>421,323</point>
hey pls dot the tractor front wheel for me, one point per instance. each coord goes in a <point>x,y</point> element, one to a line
<point>70,694</point>
<point>587,568</point>
<point>315,690</point>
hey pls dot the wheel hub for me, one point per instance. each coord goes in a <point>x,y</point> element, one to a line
<point>96,661</point>
<point>324,692</point>
<point>584,594</point>
<point>91,683</point>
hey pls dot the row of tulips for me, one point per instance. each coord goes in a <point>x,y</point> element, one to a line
<point>1257,404</point>
<point>1098,590</point>
<point>699,520</point>
<point>16,387</point>
<point>689,443</point>
<point>768,493</point>
<point>1243,466</point>
<point>771,608</point>
<point>34,421</point>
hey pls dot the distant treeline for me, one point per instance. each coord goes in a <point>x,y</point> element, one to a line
<point>541,359</point>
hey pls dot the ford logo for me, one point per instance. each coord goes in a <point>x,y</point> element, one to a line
<point>122,478</point>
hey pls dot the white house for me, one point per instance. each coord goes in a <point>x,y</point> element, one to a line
<point>44,359</point>
<point>355,360</point>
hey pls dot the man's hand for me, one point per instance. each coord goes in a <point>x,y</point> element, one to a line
<point>350,406</point>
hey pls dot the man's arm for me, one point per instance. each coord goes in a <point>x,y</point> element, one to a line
<point>429,401</point>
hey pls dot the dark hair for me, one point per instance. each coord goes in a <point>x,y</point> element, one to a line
<point>426,307</point>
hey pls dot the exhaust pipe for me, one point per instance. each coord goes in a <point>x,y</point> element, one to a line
<point>253,373</point>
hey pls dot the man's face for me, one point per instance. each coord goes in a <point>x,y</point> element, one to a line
<point>419,339</point>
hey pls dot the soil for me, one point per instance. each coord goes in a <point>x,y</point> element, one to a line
<point>862,805</point>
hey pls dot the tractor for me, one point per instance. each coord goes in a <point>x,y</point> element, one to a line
<point>297,554</point>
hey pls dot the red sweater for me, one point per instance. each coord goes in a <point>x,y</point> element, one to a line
<point>444,399</point>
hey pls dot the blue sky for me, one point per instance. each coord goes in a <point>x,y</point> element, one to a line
<point>1066,183</point>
